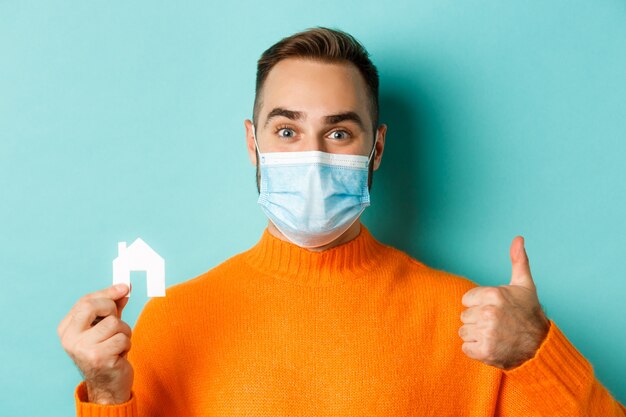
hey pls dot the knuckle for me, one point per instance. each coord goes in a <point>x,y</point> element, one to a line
<point>111,322</point>
<point>498,297</point>
<point>125,343</point>
<point>99,363</point>
<point>84,300</point>
<point>126,328</point>
<point>66,346</point>
<point>94,358</point>
<point>489,312</point>
<point>120,342</point>
<point>492,292</point>
<point>59,330</point>
<point>67,341</point>
<point>105,326</point>
<point>84,305</point>
<point>489,291</point>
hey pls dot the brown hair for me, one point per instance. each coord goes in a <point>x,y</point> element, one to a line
<point>322,44</point>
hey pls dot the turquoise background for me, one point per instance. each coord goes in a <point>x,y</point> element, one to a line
<point>124,119</point>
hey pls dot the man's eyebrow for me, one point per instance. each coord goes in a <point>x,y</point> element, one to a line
<point>348,115</point>
<point>279,111</point>
<point>329,120</point>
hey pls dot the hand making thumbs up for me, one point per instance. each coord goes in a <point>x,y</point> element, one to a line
<point>505,325</point>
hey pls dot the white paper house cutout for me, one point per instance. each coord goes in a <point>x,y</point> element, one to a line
<point>140,257</point>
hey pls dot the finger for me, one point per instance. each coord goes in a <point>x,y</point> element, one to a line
<point>520,266</point>
<point>88,309</point>
<point>467,332</point>
<point>482,295</point>
<point>62,327</point>
<point>121,303</point>
<point>82,310</point>
<point>112,350</point>
<point>470,315</point>
<point>114,292</point>
<point>471,349</point>
<point>107,328</point>
<point>116,345</point>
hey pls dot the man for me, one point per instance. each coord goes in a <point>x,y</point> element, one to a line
<point>319,318</point>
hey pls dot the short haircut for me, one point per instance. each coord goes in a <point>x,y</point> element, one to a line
<point>324,45</point>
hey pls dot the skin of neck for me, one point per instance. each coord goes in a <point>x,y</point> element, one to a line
<point>352,232</point>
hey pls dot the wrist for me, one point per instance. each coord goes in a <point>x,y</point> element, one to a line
<point>104,396</point>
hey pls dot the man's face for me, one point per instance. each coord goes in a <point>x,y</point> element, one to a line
<point>308,105</point>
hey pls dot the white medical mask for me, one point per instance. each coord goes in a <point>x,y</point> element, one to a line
<point>313,197</point>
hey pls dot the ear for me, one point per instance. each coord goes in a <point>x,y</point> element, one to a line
<point>380,145</point>
<point>250,146</point>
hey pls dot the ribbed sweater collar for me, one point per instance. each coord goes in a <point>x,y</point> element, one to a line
<point>345,262</point>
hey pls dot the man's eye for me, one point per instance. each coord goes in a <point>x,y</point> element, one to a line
<point>286,132</point>
<point>339,134</point>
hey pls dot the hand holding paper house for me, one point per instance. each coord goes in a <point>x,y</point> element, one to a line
<point>140,257</point>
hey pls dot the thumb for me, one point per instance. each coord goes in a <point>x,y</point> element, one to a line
<point>520,268</point>
<point>121,302</point>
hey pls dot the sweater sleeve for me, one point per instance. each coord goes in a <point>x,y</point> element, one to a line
<point>557,381</point>
<point>86,409</point>
<point>153,390</point>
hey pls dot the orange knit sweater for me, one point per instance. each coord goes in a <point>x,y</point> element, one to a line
<point>361,329</point>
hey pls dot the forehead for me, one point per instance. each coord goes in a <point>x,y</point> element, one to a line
<point>316,88</point>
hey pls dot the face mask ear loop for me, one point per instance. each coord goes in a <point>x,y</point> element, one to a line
<point>369,159</point>
<point>255,142</point>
